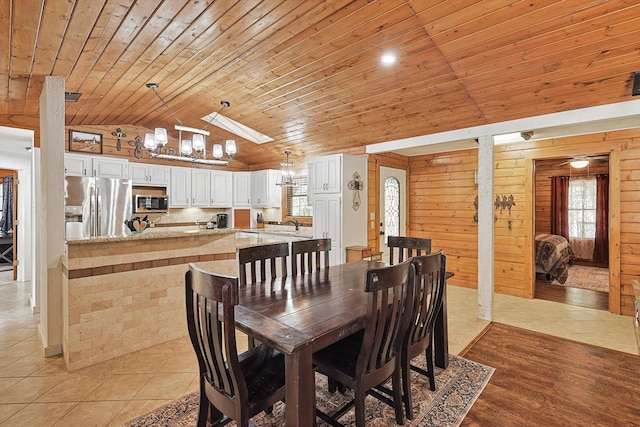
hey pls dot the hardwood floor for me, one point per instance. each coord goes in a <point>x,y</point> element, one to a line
<point>542,380</point>
<point>573,296</point>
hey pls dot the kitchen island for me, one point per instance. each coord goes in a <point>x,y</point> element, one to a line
<point>124,294</point>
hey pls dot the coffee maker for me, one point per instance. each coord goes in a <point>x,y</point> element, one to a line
<point>222,220</point>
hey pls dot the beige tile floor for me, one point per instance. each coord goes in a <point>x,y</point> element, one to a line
<point>38,391</point>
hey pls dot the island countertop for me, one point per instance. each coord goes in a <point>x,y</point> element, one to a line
<point>183,231</point>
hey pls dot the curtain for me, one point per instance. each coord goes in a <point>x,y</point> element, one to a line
<point>601,247</point>
<point>560,206</point>
<point>7,205</point>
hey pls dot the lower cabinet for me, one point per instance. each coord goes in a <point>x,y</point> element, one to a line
<point>327,223</point>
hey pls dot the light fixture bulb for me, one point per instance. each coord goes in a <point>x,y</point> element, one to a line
<point>579,164</point>
<point>198,142</point>
<point>230,147</point>
<point>185,148</point>
<point>161,136</point>
<point>217,151</point>
<point>388,58</point>
<point>149,141</point>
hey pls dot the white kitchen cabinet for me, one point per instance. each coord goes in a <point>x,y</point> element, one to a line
<point>242,189</point>
<point>264,191</point>
<point>105,167</point>
<point>180,188</point>
<point>200,188</point>
<point>333,214</point>
<point>146,174</point>
<point>327,223</point>
<point>325,174</point>
<point>221,189</point>
<point>108,167</point>
<point>78,165</point>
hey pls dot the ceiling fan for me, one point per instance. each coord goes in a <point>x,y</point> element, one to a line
<point>579,161</point>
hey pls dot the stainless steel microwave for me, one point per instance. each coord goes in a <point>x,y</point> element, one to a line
<point>150,204</point>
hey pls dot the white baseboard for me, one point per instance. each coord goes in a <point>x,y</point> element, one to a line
<point>53,350</point>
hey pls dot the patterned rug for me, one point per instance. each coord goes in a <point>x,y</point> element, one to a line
<point>457,388</point>
<point>583,277</point>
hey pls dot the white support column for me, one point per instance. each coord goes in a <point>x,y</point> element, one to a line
<point>51,215</point>
<point>485,228</point>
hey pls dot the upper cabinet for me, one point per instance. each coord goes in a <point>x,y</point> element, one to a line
<point>105,167</point>
<point>242,189</point>
<point>180,188</point>
<point>325,174</point>
<point>264,191</point>
<point>221,189</point>
<point>78,165</point>
<point>201,188</point>
<point>146,174</point>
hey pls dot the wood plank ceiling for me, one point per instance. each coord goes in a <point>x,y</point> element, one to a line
<point>308,73</point>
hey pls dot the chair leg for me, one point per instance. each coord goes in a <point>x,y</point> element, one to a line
<point>397,395</point>
<point>430,368</point>
<point>360,412</point>
<point>251,343</point>
<point>332,385</point>
<point>406,386</point>
<point>204,409</point>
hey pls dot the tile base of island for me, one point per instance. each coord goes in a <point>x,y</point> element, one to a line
<point>124,294</point>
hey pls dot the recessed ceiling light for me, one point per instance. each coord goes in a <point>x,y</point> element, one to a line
<point>388,58</point>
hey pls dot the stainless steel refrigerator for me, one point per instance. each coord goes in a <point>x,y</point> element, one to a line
<point>100,204</point>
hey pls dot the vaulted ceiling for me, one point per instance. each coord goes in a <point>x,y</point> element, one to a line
<point>308,73</point>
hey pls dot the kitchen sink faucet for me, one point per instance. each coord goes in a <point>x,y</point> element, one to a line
<point>293,222</point>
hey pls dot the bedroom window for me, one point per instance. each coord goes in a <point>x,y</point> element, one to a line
<point>582,208</point>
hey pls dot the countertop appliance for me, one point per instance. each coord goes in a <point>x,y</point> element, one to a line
<point>150,204</point>
<point>222,220</point>
<point>101,204</point>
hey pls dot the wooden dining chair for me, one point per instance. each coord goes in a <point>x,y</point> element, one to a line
<point>256,259</point>
<point>429,290</point>
<point>306,251</point>
<point>407,247</point>
<point>366,359</point>
<point>232,387</point>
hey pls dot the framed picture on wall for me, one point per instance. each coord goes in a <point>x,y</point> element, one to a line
<point>85,142</point>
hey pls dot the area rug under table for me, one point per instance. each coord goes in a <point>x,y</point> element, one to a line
<point>457,388</point>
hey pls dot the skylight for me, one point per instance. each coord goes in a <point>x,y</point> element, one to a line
<point>236,128</point>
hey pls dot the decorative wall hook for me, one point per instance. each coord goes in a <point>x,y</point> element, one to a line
<point>504,202</point>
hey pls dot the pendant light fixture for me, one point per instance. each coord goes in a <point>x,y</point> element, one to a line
<point>286,173</point>
<point>192,150</point>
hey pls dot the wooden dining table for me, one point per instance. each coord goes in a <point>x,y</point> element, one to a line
<point>301,314</point>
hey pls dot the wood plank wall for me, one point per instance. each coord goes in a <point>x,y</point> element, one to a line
<point>441,207</point>
<point>544,169</point>
<point>442,191</point>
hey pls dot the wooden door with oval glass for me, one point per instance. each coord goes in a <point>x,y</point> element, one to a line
<point>393,206</point>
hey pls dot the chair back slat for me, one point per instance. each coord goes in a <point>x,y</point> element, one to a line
<point>430,283</point>
<point>213,336</point>
<point>390,293</point>
<point>407,247</point>
<point>304,252</point>
<point>255,258</point>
